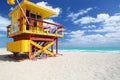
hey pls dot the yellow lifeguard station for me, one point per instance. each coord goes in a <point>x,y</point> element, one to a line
<point>31,34</point>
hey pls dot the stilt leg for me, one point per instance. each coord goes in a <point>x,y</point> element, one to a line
<point>15,54</point>
<point>30,53</point>
<point>56,45</point>
<point>52,47</point>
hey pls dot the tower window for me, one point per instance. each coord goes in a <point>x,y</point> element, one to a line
<point>33,15</point>
<point>27,13</point>
<point>39,17</point>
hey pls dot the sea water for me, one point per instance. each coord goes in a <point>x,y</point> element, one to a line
<point>103,50</point>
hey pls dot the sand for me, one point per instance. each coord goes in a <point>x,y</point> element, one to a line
<point>71,66</point>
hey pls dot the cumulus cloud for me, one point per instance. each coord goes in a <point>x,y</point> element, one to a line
<point>2,35</point>
<point>80,39</point>
<point>4,22</point>
<point>108,35</point>
<point>89,27</point>
<point>74,15</point>
<point>48,6</point>
<point>108,23</point>
<point>86,20</point>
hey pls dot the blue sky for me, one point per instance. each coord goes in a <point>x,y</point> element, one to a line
<point>88,23</point>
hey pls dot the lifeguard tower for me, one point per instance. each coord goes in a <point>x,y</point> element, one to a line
<point>31,34</point>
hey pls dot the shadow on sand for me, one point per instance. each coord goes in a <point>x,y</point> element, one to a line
<point>10,58</point>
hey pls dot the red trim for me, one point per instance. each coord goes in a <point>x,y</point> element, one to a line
<point>60,27</point>
<point>40,26</point>
<point>32,37</point>
<point>31,25</point>
<point>46,27</point>
<point>41,39</point>
<point>61,31</point>
<point>21,18</point>
<point>23,37</point>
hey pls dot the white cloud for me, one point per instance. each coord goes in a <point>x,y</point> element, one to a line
<point>46,5</point>
<point>102,17</point>
<point>74,16</point>
<point>108,23</point>
<point>2,35</point>
<point>86,20</point>
<point>4,22</point>
<point>79,39</point>
<point>11,8</point>
<point>89,27</point>
<point>110,26</point>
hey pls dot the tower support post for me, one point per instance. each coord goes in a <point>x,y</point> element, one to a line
<point>52,48</point>
<point>56,45</point>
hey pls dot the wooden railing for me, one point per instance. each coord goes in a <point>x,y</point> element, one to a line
<point>41,26</point>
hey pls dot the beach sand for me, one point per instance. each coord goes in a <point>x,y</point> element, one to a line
<point>71,66</point>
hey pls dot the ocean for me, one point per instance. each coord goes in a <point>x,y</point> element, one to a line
<point>102,50</point>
